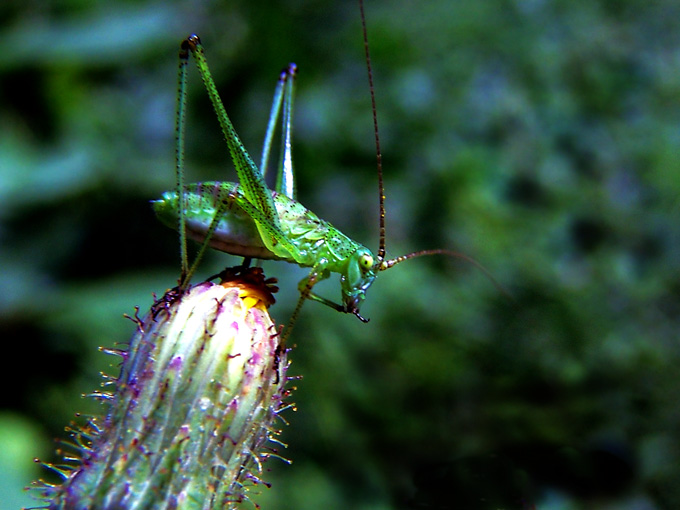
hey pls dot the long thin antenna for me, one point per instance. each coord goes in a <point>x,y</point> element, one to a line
<point>378,153</point>
<point>386,264</point>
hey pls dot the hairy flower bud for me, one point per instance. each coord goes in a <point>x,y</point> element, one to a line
<point>193,407</point>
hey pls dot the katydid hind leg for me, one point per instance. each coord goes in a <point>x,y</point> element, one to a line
<point>274,115</point>
<point>180,123</point>
<point>258,202</point>
<point>250,178</point>
<point>283,97</point>
<point>285,177</point>
<point>188,271</point>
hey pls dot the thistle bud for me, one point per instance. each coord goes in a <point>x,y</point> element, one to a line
<point>192,411</point>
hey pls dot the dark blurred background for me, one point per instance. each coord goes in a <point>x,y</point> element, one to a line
<point>539,137</point>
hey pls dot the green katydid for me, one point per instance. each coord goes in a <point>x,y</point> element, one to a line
<point>250,220</point>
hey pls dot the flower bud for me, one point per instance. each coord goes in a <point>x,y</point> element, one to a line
<point>192,411</point>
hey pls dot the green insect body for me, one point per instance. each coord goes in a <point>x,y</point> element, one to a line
<point>309,240</point>
<point>253,221</point>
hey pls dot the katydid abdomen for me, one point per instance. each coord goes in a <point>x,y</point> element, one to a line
<point>237,232</point>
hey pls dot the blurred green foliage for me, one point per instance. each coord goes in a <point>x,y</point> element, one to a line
<point>539,137</point>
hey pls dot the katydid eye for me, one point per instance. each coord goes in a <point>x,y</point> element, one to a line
<point>366,261</point>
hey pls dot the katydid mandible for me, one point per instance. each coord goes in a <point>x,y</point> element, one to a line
<point>250,220</point>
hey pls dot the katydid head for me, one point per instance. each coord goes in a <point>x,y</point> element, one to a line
<point>360,271</point>
<point>363,267</point>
